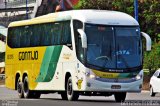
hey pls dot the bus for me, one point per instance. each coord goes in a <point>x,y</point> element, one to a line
<point>76,52</point>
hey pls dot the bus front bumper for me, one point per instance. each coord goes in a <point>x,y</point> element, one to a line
<point>102,86</point>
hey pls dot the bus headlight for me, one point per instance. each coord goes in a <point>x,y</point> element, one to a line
<point>92,76</point>
<point>139,76</point>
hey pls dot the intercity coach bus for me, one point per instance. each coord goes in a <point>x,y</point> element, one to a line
<point>77,52</point>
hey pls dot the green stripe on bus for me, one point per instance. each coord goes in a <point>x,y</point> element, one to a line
<point>128,75</point>
<point>49,64</point>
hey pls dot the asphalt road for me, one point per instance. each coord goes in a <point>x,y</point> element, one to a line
<point>10,98</point>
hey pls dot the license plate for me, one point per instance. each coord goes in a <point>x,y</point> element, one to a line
<point>115,87</point>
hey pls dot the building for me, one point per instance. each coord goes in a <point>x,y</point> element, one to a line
<point>15,10</point>
<point>16,3</point>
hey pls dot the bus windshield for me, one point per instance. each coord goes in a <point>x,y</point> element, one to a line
<point>113,47</point>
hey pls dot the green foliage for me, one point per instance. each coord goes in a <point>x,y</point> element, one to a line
<point>151,59</point>
<point>146,72</point>
<point>149,18</point>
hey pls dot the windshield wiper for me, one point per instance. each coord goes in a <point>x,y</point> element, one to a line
<point>99,67</point>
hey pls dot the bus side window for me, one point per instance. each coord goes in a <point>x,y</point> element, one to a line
<point>58,33</point>
<point>78,25</point>
<point>16,38</point>
<point>24,36</point>
<point>45,37</point>
<point>35,39</point>
<point>66,35</point>
<point>10,37</point>
<point>52,36</point>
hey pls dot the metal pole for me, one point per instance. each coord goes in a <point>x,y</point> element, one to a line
<point>26,9</point>
<point>5,3</point>
<point>63,5</point>
<point>136,9</point>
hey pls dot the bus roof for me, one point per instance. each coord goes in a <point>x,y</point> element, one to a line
<point>87,16</point>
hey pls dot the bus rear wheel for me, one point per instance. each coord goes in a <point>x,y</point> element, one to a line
<point>28,93</point>
<point>20,88</point>
<point>71,94</point>
<point>120,96</point>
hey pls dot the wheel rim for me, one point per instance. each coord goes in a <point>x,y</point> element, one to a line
<point>69,88</point>
<point>19,88</point>
<point>25,87</point>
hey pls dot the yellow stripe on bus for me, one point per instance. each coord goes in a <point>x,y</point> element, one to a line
<point>105,74</point>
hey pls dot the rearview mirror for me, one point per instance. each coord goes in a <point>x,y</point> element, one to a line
<point>83,38</point>
<point>148,41</point>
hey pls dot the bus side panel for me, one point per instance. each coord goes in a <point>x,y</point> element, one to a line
<point>68,57</point>
<point>34,75</point>
<point>32,66</point>
<point>50,75</point>
<point>9,69</point>
<point>23,60</point>
<point>9,81</point>
<point>65,63</point>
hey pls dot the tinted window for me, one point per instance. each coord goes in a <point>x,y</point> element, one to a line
<point>79,50</point>
<point>156,73</point>
<point>40,35</point>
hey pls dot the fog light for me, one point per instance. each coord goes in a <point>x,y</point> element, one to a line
<point>139,76</point>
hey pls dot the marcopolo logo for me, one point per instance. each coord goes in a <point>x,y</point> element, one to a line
<point>28,55</point>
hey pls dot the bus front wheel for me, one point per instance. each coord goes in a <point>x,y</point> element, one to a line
<point>71,94</point>
<point>120,96</point>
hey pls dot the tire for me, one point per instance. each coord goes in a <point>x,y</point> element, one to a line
<point>71,94</point>
<point>152,94</point>
<point>20,88</point>
<point>120,96</point>
<point>28,93</point>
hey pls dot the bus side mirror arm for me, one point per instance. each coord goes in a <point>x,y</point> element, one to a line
<point>148,41</point>
<point>83,38</point>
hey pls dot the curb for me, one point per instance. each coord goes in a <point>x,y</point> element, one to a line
<point>145,91</point>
